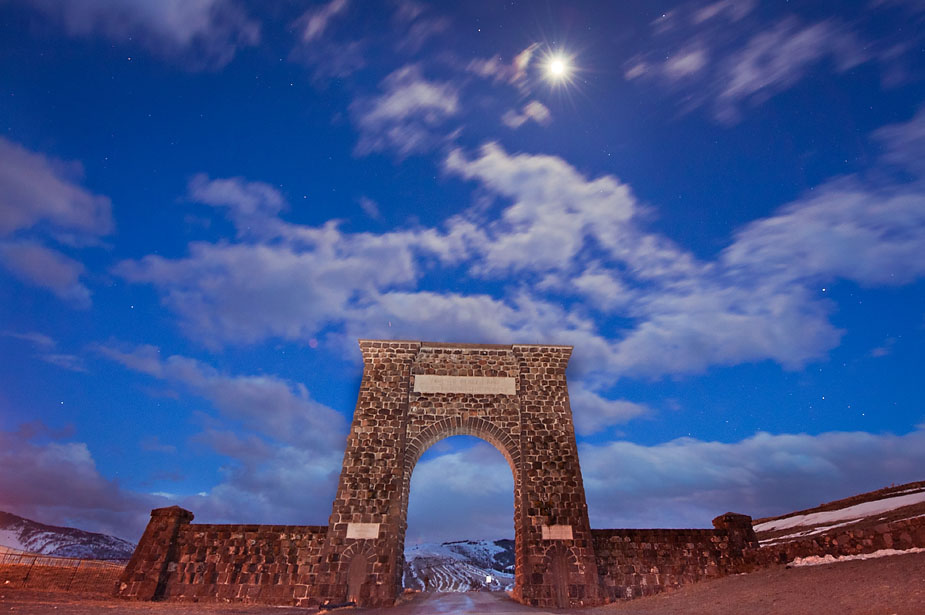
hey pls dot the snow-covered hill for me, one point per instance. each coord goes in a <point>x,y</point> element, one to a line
<point>875,507</point>
<point>20,534</point>
<point>467,565</point>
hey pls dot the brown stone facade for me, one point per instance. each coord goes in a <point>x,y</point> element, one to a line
<point>636,563</point>
<point>396,421</point>
<point>412,395</point>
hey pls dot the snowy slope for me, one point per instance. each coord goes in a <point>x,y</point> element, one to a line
<point>20,534</point>
<point>885,505</point>
<point>460,566</point>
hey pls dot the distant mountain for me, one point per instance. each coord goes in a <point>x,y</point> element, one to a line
<point>465,565</point>
<point>21,534</point>
<point>859,511</point>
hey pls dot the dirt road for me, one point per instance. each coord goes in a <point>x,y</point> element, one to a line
<point>887,586</point>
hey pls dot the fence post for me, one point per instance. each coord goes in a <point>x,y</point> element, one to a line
<point>73,576</point>
<point>25,579</point>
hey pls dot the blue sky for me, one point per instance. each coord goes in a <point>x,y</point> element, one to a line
<point>204,203</point>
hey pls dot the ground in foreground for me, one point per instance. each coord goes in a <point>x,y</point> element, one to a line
<point>887,586</point>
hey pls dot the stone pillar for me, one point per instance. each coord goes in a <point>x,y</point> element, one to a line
<point>146,573</point>
<point>743,543</point>
<point>557,533</point>
<point>367,516</point>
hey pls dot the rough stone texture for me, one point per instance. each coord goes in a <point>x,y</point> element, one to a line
<point>146,573</point>
<point>272,564</point>
<point>901,534</point>
<point>636,563</point>
<point>392,427</point>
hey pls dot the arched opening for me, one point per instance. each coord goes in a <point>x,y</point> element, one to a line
<point>460,517</point>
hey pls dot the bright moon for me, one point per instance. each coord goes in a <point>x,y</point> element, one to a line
<point>557,68</point>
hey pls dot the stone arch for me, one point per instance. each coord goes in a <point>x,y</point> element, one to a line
<point>412,395</point>
<point>468,426</point>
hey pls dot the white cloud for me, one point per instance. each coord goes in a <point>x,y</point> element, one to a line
<point>57,482</point>
<point>581,255</point>
<point>315,21</point>
<point>685,63</point>
<point>905,143</point>
<point>843,229</point>
<point>513,72</point>
<point>533,110</point>
<point>39,195</point>
<point>38,339</point>
<point>37,189</point>
<point>687,481</point>
<point>370,208</point>
<point>593,413</point>
<point>252,206</point>
<point>35,264</point>
<point>776,59</point>
<point>555,209</point>
<point>264,404</point>
<point>734,10</point>
<point>717,65</point>
<point>406,116</point>
<point>202,33</point>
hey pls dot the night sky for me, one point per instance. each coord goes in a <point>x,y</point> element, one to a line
<point>204,203</point>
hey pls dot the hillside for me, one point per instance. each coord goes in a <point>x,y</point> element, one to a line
<point>460,566</point>
<point>865,510</point>
<point>21,534</point>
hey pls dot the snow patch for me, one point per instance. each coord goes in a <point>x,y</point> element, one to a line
<point>817,560</point>
<point>866,509</point>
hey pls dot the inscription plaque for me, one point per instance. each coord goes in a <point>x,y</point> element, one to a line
<point>557,532</point>
<point>488,385</point>
<point>362,530</point>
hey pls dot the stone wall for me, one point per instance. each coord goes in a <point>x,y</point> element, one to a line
<point>270,564</point>
<point>634,563</point>
<point>901,534</point>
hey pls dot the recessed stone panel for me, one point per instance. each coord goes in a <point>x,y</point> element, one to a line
<point>557,532</point>
<point>473,385</point>
<point>363,530</point>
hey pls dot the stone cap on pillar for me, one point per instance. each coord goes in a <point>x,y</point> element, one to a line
<point>732,521</point>
<point>173,511</point>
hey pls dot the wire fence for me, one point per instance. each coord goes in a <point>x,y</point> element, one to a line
<point>49,573</point>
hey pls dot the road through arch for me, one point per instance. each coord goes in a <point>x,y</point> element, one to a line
<point>414,394</point>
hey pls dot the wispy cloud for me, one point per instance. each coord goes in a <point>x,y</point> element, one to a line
<point>709,63</point>
<point>533,110</point>
<point>408,116</point>
<point>264,404</point>
<point>38,339</point>
<point>42,197</point>
<point>38,189</point>
<point>46,268</point>
<point>315,21</point>
<point>49,478</point>
<point>198,33</point>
